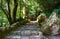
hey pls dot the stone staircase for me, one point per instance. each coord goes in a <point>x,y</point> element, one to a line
<point>29,31</point>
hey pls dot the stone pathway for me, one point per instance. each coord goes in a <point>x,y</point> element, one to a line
<point>29,31</point>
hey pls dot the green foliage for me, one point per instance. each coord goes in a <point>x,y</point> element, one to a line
<point>48,5</point>
<point>34,7</point>
<point>3,20</point>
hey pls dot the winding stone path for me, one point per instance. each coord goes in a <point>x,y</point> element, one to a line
<point>29,31</point>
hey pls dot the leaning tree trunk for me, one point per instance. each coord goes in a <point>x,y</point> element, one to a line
<point>9,12</point>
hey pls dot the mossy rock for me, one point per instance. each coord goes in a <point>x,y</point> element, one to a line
<point>41,18</point>
<point>51,26</point>
<point>46,30</point>
<point>6,30</point>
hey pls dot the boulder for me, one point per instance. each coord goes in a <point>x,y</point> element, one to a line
<point>52,25</point>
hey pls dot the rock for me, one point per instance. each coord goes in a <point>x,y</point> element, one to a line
<point>52,25</point>
<point>41,18</point>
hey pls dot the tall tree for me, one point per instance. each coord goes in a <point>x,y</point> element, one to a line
<point>11,15</point>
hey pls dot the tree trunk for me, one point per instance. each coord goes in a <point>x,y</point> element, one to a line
<point>9,13</point>
<point>26,12</point>
<point>15,10</point>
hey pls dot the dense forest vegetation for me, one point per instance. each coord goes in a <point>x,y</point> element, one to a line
<point>12,11</point>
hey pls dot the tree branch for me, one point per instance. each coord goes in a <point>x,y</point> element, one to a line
<point>8,3</point>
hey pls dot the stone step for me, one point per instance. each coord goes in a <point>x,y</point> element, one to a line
<point>32,37</point>
<point>12,37</point>
<point>30,26</point>
<point>24,37</point>
<point>26,32</point>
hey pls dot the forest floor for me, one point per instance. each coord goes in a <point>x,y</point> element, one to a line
<point>29,31</point>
